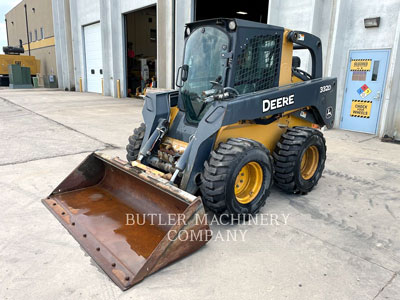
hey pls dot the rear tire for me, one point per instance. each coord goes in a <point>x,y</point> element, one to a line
<point>299,160</point>
<point>135,142</point>
<point>224,191</point>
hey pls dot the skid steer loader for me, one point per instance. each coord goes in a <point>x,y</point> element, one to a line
<point>245,115</point>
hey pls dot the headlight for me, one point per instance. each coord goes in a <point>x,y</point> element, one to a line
<point>187,31</point>
<point>232,25</point>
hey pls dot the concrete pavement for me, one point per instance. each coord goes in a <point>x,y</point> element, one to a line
<point>341,241</point>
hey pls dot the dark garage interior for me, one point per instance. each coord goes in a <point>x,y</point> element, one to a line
<point>256,11</point>
<point>141,50</point>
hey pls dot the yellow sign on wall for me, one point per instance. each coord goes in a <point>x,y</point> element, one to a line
<point>360,108</point>
<point>360,65</point>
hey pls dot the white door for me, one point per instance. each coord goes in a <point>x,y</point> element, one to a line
<point>93,58</point>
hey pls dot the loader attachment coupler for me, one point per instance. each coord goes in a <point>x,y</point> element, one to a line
<point>131,222</point>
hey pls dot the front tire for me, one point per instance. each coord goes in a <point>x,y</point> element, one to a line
<point>237,178</point>
<point>299,160</point>
<point>135,142</point>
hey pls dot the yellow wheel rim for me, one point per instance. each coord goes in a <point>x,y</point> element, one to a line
<point>309,162</point>
<point>248,182</point>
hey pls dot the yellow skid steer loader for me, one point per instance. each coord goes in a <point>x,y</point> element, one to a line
<point>245,115</point>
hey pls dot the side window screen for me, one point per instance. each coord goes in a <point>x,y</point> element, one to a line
<point>375,70</point>
<point>258,64</point>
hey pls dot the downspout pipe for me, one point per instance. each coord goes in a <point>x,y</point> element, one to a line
<point>8,42</point>
<point>27,30</point>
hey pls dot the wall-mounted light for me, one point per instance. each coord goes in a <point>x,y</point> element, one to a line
<point>241,12</point>
<point>372,22</point>
<point>33,9</point>
<point>12,22</point>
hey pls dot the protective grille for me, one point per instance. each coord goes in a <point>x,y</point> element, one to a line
<point>258,64</point>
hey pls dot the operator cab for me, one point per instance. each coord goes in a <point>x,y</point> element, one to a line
<point>225,58</point>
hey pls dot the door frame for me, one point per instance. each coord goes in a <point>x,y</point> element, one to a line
<point>125,42</point>
<point>384,87</point>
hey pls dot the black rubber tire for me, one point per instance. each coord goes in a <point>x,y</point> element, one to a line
<point>288,154</point>
<point>135,142</point>
<point>221,169</point>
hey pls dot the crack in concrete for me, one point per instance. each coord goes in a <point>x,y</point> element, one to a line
<point>107,145</point>
<point>368,139</point>
<point>58,155</point>
<point>362,181</point>
<point>340,248</point>
<point>387,283</point>
<point>390,211</point>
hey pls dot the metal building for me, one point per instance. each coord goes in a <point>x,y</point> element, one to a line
<point>112,46</point>
<point>31,21</point>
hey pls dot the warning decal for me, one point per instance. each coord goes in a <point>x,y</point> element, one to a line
<point>360,109</point>
<point>364,91</point>
<point>360,65</point>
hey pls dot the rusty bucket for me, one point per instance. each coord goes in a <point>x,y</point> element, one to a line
<point>130,222</point>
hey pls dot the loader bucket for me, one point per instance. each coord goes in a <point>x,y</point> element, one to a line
<point>130,222</point>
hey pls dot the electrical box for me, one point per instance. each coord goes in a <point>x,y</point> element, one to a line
<point>20,77</point>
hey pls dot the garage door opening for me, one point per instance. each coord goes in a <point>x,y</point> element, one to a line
<point>141,50</point>
<point>208,9</point>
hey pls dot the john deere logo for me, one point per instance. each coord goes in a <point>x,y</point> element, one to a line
<point>277,103</point>
<point>329,112</point>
